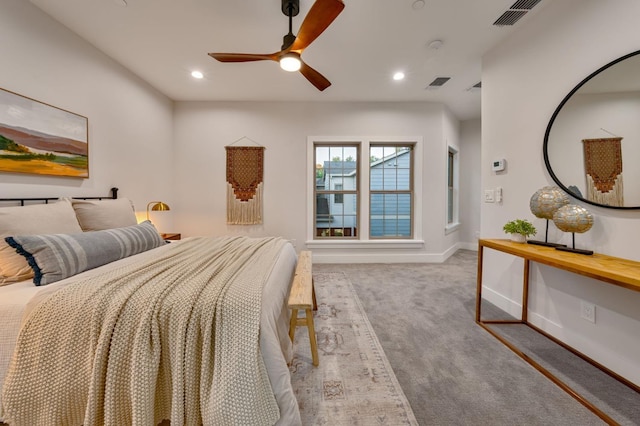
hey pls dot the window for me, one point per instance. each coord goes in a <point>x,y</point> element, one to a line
<point>452,187</point>
<point>390,191</point>
<point>336,191</point>
<point>338,198</point>
<point>362,192</point>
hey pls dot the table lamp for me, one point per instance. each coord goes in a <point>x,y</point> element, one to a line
<point>158,206</point>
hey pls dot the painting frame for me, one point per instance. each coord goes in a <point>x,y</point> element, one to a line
<point>42,139</point>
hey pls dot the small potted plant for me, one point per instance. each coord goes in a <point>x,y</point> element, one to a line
<point>519,229</point>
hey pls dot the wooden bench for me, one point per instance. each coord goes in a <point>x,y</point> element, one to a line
<point>303,296</point>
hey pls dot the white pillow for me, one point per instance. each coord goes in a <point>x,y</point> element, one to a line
<point>53,218</point>
<point>97,215</point>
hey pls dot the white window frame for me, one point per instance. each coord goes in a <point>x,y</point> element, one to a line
<point>363,241</point>
<point>454,195</point>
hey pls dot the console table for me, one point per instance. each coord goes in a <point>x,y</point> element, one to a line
<point>616,271</point>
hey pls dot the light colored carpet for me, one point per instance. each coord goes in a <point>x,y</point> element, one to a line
<point>354,383</point>
<point>451,370</point>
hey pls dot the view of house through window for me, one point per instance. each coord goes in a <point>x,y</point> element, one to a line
<point>336,191</point>
<point>390,191</point>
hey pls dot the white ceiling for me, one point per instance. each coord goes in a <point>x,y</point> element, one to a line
<point>162,41</point>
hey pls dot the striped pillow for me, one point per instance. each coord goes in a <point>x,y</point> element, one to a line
<point>58,256</point>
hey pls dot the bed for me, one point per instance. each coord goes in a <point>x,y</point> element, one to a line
<point>125,328</point>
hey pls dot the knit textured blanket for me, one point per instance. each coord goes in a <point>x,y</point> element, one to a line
<point>176,338</point>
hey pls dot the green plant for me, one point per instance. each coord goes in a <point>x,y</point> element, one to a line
<point>519,226</point>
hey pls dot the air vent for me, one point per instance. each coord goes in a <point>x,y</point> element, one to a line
<point>476,87</point>
<point>438,82</point>
<point>515,12</point>
<point>510,17</point>
<point>524,4</point>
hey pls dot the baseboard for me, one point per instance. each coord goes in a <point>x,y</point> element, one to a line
<point>514,309</point>
<point>468,246</point>
<point>382,255</point>
<point>502,302</point>
<point>387,257</point>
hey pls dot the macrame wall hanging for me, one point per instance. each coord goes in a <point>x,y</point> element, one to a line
<point>603,168</point>
<point>245,169</point>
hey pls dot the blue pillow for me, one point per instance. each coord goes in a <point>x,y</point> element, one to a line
<point>58,256</point>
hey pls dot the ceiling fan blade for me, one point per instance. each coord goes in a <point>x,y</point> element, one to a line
<point>244,57</point>
<point>320,16</point>
<point>314,77</point>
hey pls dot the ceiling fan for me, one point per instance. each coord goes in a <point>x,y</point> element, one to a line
<point>320,16</point>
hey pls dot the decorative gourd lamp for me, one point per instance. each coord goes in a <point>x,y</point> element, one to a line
<point>543,204</point>
<point>573,218</point>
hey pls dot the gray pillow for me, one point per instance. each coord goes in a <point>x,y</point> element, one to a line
<point>57,256</point>
<point>36,219</point>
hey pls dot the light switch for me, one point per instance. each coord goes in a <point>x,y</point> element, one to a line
<point>489,196</point>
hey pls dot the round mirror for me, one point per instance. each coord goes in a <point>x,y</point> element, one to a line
<point>592,143</point>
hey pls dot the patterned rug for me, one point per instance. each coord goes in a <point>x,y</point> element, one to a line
<point>354,383</point>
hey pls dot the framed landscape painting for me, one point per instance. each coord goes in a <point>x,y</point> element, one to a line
<point>41,139</point>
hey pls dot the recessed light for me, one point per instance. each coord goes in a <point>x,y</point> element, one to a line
<point>418,4</point>
<point>398,76</point>
<point>436,44</point>
<point>197,74</point>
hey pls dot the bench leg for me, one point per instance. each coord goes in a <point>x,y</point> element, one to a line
<point>293,322</point>
<point>313,295</point>
<point>312,336</point>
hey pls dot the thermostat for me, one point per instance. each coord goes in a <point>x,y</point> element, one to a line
<point>498,165</point>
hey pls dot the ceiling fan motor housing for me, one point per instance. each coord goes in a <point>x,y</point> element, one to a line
<point>291,7</point>
<point>288,40</point>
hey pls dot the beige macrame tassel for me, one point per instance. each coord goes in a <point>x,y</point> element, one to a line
<point>615,197</point>
<point>244,212</point>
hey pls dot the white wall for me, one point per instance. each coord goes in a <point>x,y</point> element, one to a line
<point>523,81</point>
<point>451,138</point>
<point>202,129</point>
<point>470,137</point>
<point>130,123</point>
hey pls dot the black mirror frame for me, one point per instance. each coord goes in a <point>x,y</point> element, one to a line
<point>553,118</point>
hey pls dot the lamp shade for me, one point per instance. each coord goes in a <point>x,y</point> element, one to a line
<point>157,206</point>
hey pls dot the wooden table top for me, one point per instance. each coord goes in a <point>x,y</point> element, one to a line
<point>613,270</point>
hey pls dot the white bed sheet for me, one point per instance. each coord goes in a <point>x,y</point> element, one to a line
<point>16,301</point>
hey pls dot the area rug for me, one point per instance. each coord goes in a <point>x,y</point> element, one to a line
<point>354,383</point>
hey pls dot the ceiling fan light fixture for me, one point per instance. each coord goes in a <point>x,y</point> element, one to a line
<point>290,61</point>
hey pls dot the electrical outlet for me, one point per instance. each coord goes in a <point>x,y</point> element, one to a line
<point>588,311</point>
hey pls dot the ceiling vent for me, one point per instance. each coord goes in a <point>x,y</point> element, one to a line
<point>476,87</point>
<point>524,4</point>
<point>438,82</point>
<point>515,12</point>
